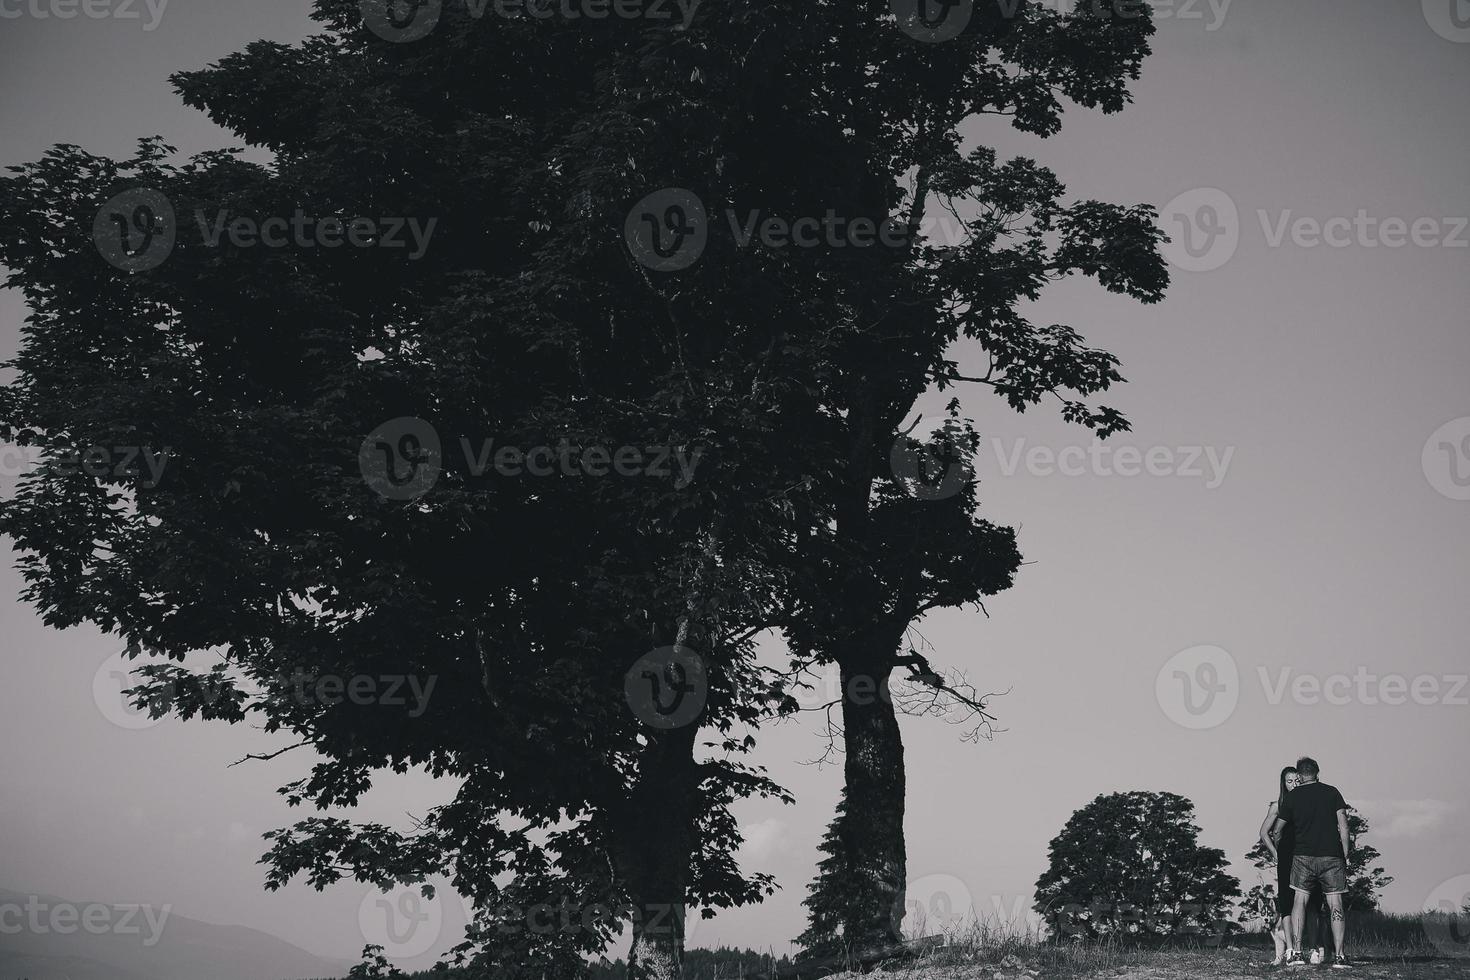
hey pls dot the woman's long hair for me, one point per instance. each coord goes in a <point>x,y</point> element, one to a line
<point>1281,796</point>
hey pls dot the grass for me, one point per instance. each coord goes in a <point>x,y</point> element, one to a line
<point>1383,947</point>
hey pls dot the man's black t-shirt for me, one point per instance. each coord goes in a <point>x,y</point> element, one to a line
<point>1311,815</point>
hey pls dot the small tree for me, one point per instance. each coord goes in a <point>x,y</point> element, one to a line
<point>829,899</point>
<point>1130,864</point>
<point>1365,882</point>
<point>375,966</point>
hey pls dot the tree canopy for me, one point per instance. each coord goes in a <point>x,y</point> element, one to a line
<point>1131,865</point>
<point>326,505</point>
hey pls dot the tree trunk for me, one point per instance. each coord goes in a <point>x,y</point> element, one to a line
<point>654,849</point>
<point>871,829</point>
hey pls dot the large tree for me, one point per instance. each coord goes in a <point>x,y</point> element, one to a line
<point>526,317</point>
<point>1131,865</point>
<point>526,599</point>
<point>901,535</point>
<point>262,370</point>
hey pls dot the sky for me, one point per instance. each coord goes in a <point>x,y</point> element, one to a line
<point>1272,563</point>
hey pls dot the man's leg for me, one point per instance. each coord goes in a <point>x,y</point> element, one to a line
<point>1319,905</point>
<point>1298,920</point>
<point>1339,924</point>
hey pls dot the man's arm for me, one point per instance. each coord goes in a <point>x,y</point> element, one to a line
<point>1342,833</point>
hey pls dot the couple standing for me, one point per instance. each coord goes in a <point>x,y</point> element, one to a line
<point>1306,832</point>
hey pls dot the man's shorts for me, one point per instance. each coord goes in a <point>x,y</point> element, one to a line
<point>1309,871</point>
<point>1286,899</point>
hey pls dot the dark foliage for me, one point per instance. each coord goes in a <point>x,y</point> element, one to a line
<point>1130,865</point>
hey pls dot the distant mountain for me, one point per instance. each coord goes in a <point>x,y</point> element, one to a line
<point>47,938</point>
<point>19,966</point>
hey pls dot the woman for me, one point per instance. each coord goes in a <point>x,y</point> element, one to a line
<point>1281,852</point>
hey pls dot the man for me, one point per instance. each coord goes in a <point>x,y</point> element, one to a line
<point>1317,814</point>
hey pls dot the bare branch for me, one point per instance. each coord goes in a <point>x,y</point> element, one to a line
<point>268,755</point>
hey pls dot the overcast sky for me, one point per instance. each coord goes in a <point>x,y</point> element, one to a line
<point>1297,505</point>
